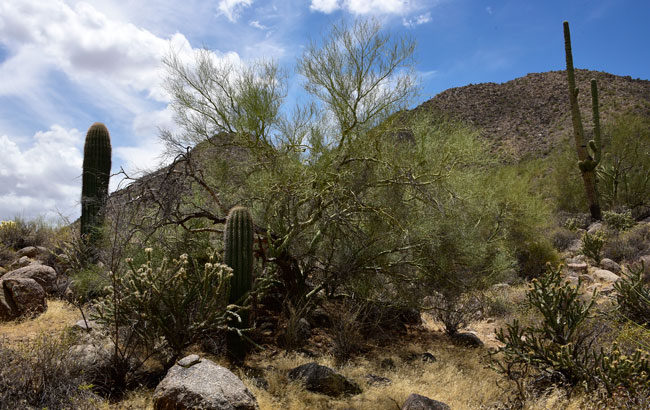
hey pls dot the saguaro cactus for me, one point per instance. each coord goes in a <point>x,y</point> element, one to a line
<point>587,161</point>
<point>94,184</point>
<point>238,242</point>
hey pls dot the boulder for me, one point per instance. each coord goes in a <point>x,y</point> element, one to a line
<point>424,357</point>
<point>418,402</point>
<point>195,383</point>
<point>33,252</point>
<point>466,339</point>
<point>374,380</point>
<point>578,268</point>
<point>20,297</point>
<point>604,275</point>
<point>44,275</point>
<point>322,379</point>
<point>610,265</point>
<point>595,227</point>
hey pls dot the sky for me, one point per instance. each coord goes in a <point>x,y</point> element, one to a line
<point>65,64</point>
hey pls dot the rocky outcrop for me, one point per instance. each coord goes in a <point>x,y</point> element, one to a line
<point>44,275</point>
<point>21,297</point>
<point>418,402</point>
<point>195,383</point>
<point>322,379</point>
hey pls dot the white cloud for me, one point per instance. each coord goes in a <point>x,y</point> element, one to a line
<point>44,178</point>
<point>325,6</point>
<point>64,57</point>
<point>232,8</point>
<point>258,25</point>
<point>361,7</point>
<point>416,21</point>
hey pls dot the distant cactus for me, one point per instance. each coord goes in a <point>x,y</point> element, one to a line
<point>587,161</point>
<point>238,243</point>
<point>94,184</point>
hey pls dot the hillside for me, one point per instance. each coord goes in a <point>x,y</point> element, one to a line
<point>530,115</point>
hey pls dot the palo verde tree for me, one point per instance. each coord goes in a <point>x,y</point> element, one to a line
<point>339,194</point>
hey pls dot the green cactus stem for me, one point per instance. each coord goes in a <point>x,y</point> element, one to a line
<point>587,162</point>
<point>95,177</point>
<point>238,254</point>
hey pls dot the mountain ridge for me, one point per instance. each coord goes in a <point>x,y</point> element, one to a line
<point>530,115</point>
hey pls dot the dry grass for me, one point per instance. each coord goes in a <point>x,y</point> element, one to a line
<point>59,315</point>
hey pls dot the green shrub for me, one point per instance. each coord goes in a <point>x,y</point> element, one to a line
<point>592,244</point>
<point>534,256</point>
<point>563,238</point>
<point>633,295</point>
<point>456,311</point>
<point>618,221</point>
<point>20,233</point>
<point>629,245</point>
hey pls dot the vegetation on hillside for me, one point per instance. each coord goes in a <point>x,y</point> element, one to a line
<point>359,221</point>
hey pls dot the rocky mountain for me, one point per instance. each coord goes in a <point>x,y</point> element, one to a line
<point>530,115</point>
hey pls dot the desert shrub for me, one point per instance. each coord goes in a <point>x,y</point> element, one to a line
<point>625,169</point>
<point>561,345</point>
<point>347,330</point>
<point>562,238</point>
<point>568,190</point>
<point>39,373</point>
<point>20,233</point>
<point>618,221</point>
<point>456,311</point>
<point>628,245</point>
<point>633,295</point>
<point>533,257</point>
<point>592,244</point>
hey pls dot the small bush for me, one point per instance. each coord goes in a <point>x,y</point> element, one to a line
<point>534,255</point>
<point>562,238</point>
<point>618,221</point>
<point>19,233</point>
<point>592,244</point>
<point>40,374</point>
<point>457,311</point>
<point>633,295</point>
<point>629,245</point>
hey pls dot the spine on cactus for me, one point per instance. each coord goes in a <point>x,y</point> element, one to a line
<point>238,254</point>
<point>587,163</point>
<point>95,177</point>
<point>238,242</point>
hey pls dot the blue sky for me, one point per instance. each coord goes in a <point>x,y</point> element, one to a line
<point>65,64</point>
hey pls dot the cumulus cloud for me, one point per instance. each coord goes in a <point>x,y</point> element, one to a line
<point>325,6</point>
<point>42,179</point>
<point>63,58</point>
<point>232,8</point>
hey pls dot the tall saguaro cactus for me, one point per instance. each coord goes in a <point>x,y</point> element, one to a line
<point>587,161</point>
<point>94,184</point>
<point>238,242</point>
